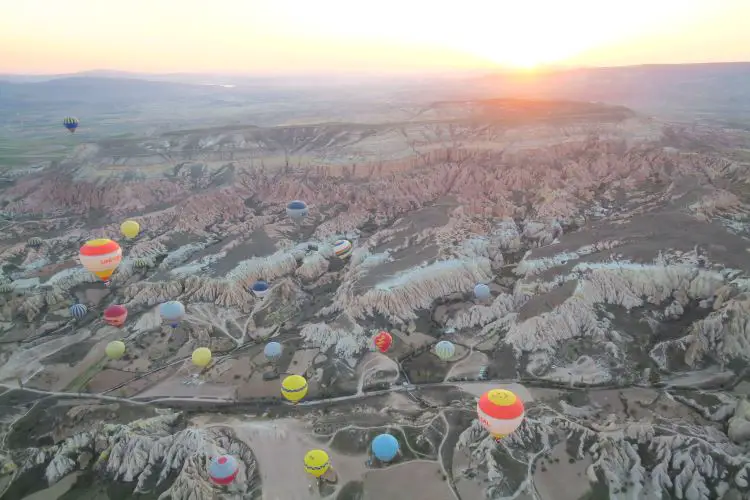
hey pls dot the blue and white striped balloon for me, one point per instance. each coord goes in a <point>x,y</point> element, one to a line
<point>78,311</point>
<point>445,350</point>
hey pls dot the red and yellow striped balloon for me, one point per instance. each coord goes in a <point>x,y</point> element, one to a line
<point>500,411</point>
<point>383,341</point>
<point>101,257</point>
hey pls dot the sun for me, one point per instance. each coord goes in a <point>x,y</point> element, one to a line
<point>513,52</point>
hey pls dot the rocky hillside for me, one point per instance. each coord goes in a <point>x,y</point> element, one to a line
<point>615,247</point>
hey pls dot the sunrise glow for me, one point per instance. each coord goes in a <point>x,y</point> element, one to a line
<point>48,36</point>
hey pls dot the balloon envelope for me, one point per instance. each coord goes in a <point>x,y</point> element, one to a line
<point>101,257</point>
<point>78,311</point>
<point>260,288</point>
<point>172,311</point>
<point>70,123</point>
<point>445,350</point>
<point>482,291</point>
<point>223,469</point>
<point>130,228</point>
<point>500,411</point>
<point>115,315</point>
<point>202,357</point>
<point>316,462</point>
<point>342,249</point>
<point>272,351</point>
<point>294,388</point>
<point>383,341</point>
<point>115,349</point>
<point>297,209</point>
<point>385,447</point>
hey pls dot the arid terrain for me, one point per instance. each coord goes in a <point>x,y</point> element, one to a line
<point>616,246</point>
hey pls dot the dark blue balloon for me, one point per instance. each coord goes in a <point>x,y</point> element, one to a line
<point>260,286</point>
<point>297,205</point>
<point>70,123</point>
<point>78,311</point>
<point>385,447</point>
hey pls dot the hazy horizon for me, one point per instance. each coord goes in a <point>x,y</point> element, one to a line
<point>261,37</point>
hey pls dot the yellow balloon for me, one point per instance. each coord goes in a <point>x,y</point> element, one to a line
<point>130,228</point>
<point>317,462</point>
<point>202,357</point>
<point>115,349</point>
<point>294,388</point>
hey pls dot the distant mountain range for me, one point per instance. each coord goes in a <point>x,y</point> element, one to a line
<point>715,92</point>
<point>711,91</point>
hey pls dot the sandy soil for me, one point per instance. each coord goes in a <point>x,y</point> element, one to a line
<point>60,376</point>
<point>174,387</point>
<point>562,480</point>
<point>245,375</point>
<point>413,340</point>
<point>415,479</point>
<point>256,387</point>
<point>56,490</point>
<point>302,361</point>
<point>108,378</point>
<point>467,367</point>
<point>286,442</point>
<point>467,488</point>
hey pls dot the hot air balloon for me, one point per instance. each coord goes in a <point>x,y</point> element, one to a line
<point>445,350</point>
<point>172,312</point>
<point>317,462</point>
<point>383,341</point>
<point>115,315</point>
<point>294,388</point>
<point>202,357</point>
<point>385,447</point>
<point>342,249</point>
<point>482,291</point>
<point>140,263</point>
<point>115,349</point>
<point>500,412</point>
<point>130,229</point>
<point>35,242</point>
<point>101,257</point>
<point>297,209</point>
<point>6,288</point>
<point>272,351</point>
<point>223,469</point>
<point>259,288</point>
<point>78,311</point>
<point>70,123</point>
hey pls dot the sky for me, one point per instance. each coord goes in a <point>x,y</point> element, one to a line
<point>298,36</point>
